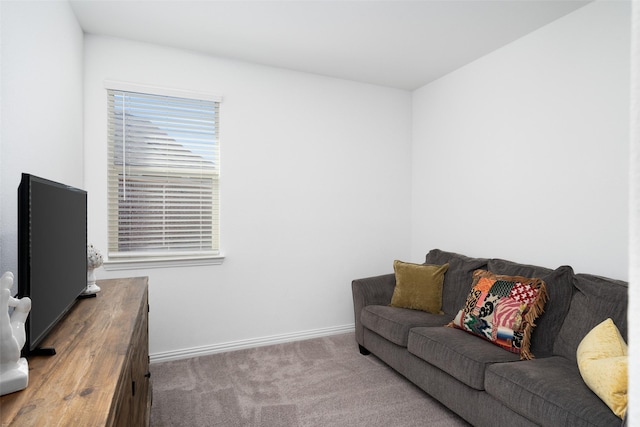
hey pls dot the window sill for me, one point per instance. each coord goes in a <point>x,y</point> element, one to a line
<point>125,264</point>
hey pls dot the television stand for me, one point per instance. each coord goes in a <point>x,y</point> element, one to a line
<point>100,374</point>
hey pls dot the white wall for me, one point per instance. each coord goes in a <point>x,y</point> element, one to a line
<point>41,105</point>
<point>315,192</point>
<point>523,154</point>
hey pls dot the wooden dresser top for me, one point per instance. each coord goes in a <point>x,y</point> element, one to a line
<point>77,385</point>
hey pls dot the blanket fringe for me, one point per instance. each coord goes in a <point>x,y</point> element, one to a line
<point>529,318</point>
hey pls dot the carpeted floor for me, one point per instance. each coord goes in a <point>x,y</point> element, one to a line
<point>318,382</point>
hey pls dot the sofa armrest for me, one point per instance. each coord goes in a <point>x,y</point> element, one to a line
<point>376,290</point>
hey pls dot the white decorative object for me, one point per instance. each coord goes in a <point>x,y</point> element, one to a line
<point>14,370</point>
<point>94,260</point>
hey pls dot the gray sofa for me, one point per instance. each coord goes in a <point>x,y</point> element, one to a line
<point>483,383</point>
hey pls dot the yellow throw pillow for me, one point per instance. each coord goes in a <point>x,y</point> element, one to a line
<point>602,360</point>
<point>418,286</point>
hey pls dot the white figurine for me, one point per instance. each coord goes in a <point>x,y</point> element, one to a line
<point>94,260</point>
<point>14,370</point>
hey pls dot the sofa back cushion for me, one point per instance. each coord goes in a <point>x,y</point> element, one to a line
<point>458,278</point>
<point>510,268</point>
<point>559,284</point>
<point>594,300</point>
<point>559,289</point>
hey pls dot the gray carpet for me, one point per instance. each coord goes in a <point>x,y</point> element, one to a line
<point>317,382</point>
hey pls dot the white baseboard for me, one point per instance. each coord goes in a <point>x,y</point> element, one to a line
<point>186,353</point>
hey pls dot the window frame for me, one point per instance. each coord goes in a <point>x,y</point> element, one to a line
<point>132,260</point>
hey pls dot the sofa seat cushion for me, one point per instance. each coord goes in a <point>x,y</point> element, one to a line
<point>549,390</point>
<point>458,353</point>
<point>394,323</point>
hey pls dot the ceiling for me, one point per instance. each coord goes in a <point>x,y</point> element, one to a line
<point>400,44</point>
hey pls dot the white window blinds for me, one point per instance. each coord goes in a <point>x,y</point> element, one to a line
<point>163,176</point>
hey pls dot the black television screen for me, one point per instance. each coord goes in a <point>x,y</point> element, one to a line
<point>52,252</point>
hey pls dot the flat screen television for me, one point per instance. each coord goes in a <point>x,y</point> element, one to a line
<point>52,254</point>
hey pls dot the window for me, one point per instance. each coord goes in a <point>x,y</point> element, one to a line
<point>163,175</point>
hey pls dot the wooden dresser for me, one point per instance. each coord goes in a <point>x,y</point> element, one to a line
<point>100,374</point>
